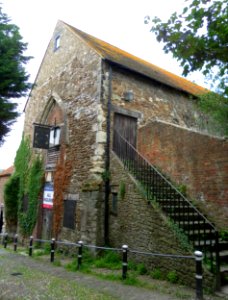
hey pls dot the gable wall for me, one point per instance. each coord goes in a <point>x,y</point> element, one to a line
<point>71,77</point>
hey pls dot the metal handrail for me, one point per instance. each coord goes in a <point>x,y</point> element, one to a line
<point>156,185</point>
<point>166,180</point>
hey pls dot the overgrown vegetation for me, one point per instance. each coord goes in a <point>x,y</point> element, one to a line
<point>122,190</point>
<point>108,265</point>
<point>224,235</point>
<point>28,177</point>
<point>215,106</point>
<point>11,201</point>
<point>181,236</point>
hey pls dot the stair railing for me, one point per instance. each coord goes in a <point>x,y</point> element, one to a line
<point>199,230</point>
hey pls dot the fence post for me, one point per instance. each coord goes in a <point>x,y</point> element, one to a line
<point>80,254</point>
<point>5,240</point>
<point>15,242</point>
<point>124,261</point>
<point>30,245</point>
<point>52,250</point>
<point>199,275</point>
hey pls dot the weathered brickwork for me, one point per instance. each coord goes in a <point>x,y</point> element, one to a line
<point>143,227</point>
<point>197,161</point>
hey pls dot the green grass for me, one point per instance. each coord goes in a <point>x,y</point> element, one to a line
<point>109,260</point>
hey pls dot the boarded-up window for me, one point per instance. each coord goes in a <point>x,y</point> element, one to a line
<point>41,136</point>
<point>69,214</point>
<point>52,158</point>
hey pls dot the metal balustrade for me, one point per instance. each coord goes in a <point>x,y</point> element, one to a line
<point>201,233</point>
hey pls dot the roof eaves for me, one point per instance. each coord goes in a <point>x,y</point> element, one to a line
<point>128,61</point>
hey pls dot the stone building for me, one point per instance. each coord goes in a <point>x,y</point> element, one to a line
<point>87,93</point>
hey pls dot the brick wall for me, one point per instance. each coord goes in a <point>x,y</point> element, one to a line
<point>145,228</point>
<point>197,161</point>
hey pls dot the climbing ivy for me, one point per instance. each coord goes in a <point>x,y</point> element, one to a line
<point>30,171</point>
<point>11,201</point>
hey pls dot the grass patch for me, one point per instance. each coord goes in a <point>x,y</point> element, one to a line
<point>110,260</point>
<point>172,277</point>
<point>156,274</point>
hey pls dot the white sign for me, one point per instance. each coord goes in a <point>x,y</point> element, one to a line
<point>48,195</point>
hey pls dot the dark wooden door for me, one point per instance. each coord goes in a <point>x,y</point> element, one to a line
<point>127,127</point>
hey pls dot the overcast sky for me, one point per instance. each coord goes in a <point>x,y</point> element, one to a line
<point>118,22</point>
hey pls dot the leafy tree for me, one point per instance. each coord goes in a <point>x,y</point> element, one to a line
<point>29,170</point>
<point>13,77</point>
<point>198,38</point>
<point>11,201</point>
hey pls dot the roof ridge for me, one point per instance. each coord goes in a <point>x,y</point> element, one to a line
<point>137,64</point>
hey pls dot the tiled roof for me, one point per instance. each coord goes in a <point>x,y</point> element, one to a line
<point>7,172</point>
<point>138,65</point>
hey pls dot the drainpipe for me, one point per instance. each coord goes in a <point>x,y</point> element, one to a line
<point>107,162</point>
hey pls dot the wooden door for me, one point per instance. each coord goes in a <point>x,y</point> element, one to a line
<point>127,127</point>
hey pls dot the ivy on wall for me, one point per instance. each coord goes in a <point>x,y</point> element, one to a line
<point>29,170</point>
<point>11,201</point>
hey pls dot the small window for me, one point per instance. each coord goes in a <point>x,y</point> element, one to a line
<point>57,43</point>
<point>114,203</point>
<point>54,136</point>
<point>69,214</point>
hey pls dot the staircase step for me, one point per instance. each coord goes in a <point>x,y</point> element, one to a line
<point>224,269</point>
<point>192,216</point>
<point>186,226</point>
<point>223,245</point>
<point>180,208</point>
<point>199,245</point>
<point>224,255</point>
<point>201,235</point>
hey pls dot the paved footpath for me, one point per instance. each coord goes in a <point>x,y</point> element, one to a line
<point>22,277</point>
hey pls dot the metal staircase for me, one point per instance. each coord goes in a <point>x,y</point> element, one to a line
<point>201,233</point>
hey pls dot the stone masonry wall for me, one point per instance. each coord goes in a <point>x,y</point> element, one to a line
<point>197,161</point>
<point>143,227</point>
<point>155,101</point>
<point>71,75</point>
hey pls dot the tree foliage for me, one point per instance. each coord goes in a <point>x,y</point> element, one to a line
<point>198,38</point>
<point>30,171</point>
<point>13,77</point>
<point>11,201</point>
<point>216,106</point>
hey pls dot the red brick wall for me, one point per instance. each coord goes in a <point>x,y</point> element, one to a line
<point>200,162</point>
